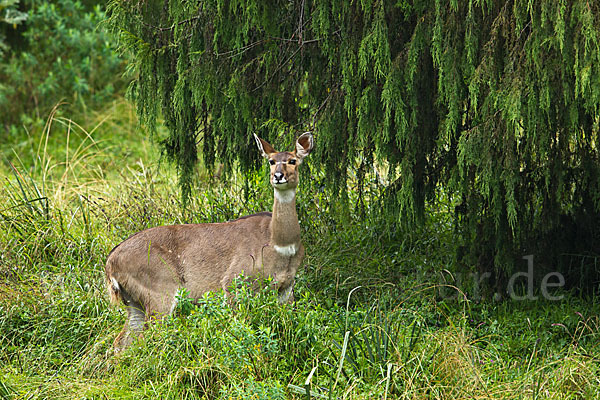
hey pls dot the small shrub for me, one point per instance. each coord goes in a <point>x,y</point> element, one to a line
<point>62,54</point>
<point>254,390</point>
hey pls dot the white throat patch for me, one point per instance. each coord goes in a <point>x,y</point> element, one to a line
<point>286,251</point>
<point>285,196</point>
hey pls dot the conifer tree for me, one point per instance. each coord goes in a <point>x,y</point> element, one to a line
<point>494,102</point>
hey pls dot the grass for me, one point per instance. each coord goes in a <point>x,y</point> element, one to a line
<point>372,318</point>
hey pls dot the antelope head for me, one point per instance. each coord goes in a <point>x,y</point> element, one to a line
<point>284,165</point>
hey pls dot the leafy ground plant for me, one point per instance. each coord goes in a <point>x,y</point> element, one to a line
<point>73,193</point>
<point>59,53</point>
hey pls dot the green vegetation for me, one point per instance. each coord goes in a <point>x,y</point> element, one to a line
<point>371,320</point>
<point>57,53</point>
<point>494,103</point>
<point>383,310</point>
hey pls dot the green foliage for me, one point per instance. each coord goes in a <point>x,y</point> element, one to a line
<point>11,16</point>
<point>493,103</point>
<point>253,390</point>
<point>373,343</point>
<point>396,337</point>
<point>59,54</point>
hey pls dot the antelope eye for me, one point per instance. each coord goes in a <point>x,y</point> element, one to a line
<point>292,162</point>
<point>272,162</point>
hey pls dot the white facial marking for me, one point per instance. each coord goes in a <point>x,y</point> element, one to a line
<point>286,251</point>
<point>285,196</point>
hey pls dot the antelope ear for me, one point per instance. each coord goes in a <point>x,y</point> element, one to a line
<point>264,146</point>
<point>304,145</point>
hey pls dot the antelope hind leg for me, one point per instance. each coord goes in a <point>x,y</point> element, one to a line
<point>134,325</point>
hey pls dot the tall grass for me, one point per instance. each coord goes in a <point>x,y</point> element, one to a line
<point>369,321</point>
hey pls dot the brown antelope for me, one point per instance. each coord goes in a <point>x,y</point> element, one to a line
<point>147,269</point>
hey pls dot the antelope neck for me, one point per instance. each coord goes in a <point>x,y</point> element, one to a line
<point>285,229</point>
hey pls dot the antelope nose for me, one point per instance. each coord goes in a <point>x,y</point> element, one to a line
<point>278,176</point>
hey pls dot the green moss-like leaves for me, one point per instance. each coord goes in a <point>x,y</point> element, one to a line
<point>495,102</point>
